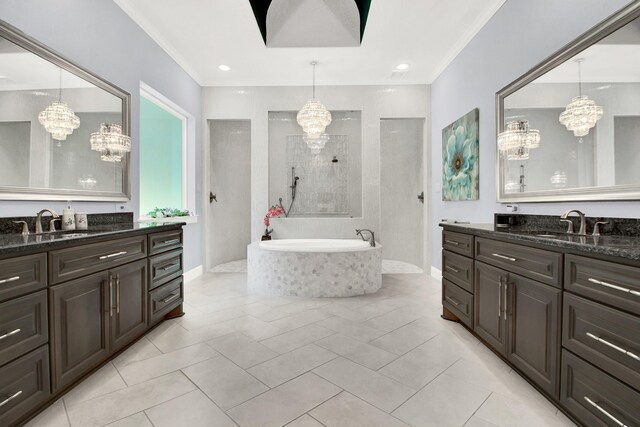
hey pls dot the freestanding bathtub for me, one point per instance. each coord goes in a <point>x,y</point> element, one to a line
<point>314,267</point>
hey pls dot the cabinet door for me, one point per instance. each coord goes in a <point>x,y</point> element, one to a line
<point>534,331</point>
<point>79,322</point>
<point>489,305</point>
<point>129,295</point>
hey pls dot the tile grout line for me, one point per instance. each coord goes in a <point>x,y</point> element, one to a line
<point>478,408</point>
<point>423,387</point>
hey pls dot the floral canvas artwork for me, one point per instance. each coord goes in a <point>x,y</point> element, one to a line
<point>460,150</point>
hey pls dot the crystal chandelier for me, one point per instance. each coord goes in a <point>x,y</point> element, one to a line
<point>110,142</point>
<point>58,119</point>
<point>518,139</point>
<point>316,144</point>
<point>314,117</point>
<point>582,113</point>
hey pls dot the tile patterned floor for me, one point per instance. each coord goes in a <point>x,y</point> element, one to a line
<point>388,267</point>
<point>385,359</point>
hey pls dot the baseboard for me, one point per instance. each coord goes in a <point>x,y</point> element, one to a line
<point>193,273</point>
<point>436,273</point>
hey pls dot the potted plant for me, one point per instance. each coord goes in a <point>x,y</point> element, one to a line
<point>273,212</point>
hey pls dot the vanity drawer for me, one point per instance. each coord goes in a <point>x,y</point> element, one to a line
<point>595,398</point>
<point>459,301</point>
<point>606,337</point>
<point>24,385</point>
<point>166,241</point>
<point>537,264</point>
<point>165,267</point>
<point>458,269</point>
<point>21,275</point>
<point>23,325</point>
<point>164,299</point>
<point>610,283</point>
<point>458,242</point>
<point>71,263</point>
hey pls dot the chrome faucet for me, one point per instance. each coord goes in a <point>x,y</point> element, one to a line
<point>39,218</point>
<point>583,222</point>
<point>372,237</point>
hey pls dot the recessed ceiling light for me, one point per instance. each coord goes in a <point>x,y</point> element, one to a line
<point>402,67</point>
<point>224,68</point>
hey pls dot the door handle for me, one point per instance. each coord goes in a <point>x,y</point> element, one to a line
<point>213,197</point>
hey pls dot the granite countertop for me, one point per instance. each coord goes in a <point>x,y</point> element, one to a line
<point>17,243</point>
<point>627,247</point>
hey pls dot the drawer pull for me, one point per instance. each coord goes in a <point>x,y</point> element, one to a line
<point>168,267</point>
<point>170,242</point>
<point>451,242</point>
<point>8,334</point>
<point>604,411</point>
<point>452,300</point>
<point>499,297</point>
<point>170,298</point>
<point>504,298</point>
<point>455,270</point>
<point>10,398</point>
<point>508,258</point>
<point>613,346</point>
<point>10,279</point>
<point>112,255</point>
<point>612,286</point>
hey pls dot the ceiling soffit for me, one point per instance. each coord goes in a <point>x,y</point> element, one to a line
<point>311,23</point>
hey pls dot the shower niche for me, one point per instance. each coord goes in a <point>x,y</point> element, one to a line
<point>316,182</point>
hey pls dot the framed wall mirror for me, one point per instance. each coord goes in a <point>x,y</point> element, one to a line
<point>49,110</point>
<point>569,129</point>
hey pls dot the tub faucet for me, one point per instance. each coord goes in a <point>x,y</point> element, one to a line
<point>583,221</point>
<point>39,218</point>
<point>372,236</point>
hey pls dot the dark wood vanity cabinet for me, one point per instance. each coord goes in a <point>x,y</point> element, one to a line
<point>489,295</point>
<point>533,335</point>
<point>95,316</point>
<point>79,327</point>
<point>128,314</point>
<point>518,316</point>
<point>65,312</point>
<point>568,323</point>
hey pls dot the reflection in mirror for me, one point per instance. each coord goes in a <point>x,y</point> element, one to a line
<point>57,162</point>
<point>329,178</point>
<point>587,112</point>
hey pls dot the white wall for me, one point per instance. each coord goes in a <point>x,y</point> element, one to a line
<point>99,36</point>
<point>375,102</point>
<point>520,35</point>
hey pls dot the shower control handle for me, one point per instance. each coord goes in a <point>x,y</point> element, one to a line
<point>212,197</point>
<point>421,197</point>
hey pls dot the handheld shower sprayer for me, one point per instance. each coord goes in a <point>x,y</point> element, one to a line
<point>293,186</point>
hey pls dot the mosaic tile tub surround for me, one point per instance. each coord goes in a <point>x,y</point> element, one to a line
<point>314,274</point>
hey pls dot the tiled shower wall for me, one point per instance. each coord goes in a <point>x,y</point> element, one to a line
<point>323,187</point>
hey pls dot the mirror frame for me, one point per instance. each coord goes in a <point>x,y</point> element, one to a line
<point>592,36</point>
<point>16,36</point>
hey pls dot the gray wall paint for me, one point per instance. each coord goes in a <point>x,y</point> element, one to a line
<point>99,36</point>
<point>520,35</point>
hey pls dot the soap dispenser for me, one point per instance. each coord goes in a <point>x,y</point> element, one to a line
<point>68,218</point>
